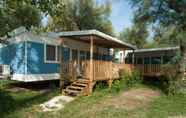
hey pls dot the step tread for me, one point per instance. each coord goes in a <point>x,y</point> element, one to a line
<point>71,91</point>
<point>79,84</point>
<point>82,82</point>
<point>75,87</point>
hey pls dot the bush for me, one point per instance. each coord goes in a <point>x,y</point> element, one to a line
<point>132,79</point>
<point>126,81</point>
<point>116,86</point>
<point>172,76</point>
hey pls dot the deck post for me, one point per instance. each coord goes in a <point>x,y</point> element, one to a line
<point>133,60</point>
<point>61,82</point>
<point>91,76</point>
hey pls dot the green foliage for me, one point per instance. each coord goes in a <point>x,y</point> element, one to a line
<point>81,15</point>
<point>172,75</point>
<point>126,81</point>
<point>63,15</point>
<point>116,86</point>
<point>135,35</point>
<point>131,79</point>
<point>15,13</point>
<point>167,16</point>
<point>134,79</point>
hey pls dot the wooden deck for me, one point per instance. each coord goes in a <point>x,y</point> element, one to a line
<point>149,69</point>
<point>102,70</point>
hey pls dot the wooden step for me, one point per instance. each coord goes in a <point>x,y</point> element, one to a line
<point>83,82</point>
<point>71,92</point>
<point>79,84</point>
<point>78,87</point>
<point>75,88</point>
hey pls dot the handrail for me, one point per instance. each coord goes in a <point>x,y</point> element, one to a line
<point>102,70</point>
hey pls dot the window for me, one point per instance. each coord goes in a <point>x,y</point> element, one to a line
<point>147,60</point>
<point>82,55</point>
<point>74,54</point>
<point>51,53</point>
<point>156,60</point>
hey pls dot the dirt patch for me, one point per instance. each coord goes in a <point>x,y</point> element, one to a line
<point>56,103</point>
<point>16,89</point>
<point>132,99</point>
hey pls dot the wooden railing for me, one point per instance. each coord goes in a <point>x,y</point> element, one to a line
<point>149,69</point>
<point>68,70</point>
<point>102,70</point>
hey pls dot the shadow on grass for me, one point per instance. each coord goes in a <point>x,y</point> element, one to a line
<point>156,83</point>
<point>11,102</point>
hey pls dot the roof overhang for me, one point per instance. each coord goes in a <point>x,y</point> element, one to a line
<point>100,38</point>
<point>157,49</point>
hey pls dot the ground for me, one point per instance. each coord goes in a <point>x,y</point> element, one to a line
<point>131,99</point>
<point>138,102</point>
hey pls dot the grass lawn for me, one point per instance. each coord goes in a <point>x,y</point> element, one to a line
<point>25,105</point>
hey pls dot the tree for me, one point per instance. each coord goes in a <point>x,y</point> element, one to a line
<point>81,15</point>
<point>17,13</point>
<point>171,15</point>
<point>135,35</point>
<point>165,13</point>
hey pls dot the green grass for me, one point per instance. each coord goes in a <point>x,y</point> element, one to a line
<point>161,107</point>
<point>25,105</point>
<point>18,104</point>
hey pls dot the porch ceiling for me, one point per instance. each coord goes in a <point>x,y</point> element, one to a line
<point>100,38</point>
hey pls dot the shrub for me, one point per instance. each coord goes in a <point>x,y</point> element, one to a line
<point>116,86</point>
<point>135,78</point>
<point>131,79</point>
<point>172,75</point>
<point>127,80</point>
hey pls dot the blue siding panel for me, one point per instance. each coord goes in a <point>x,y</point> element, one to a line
<point>35,60</point>
<point>14,55</point>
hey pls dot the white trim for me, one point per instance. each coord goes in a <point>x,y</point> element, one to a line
<point>35,77</point>
<point>29,36</point>
<point>157,49</point>
<point>56,55</point>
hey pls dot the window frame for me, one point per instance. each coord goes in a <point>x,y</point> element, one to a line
<point>57,55</point>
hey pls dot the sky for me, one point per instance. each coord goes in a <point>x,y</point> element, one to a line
<point>121,15</point>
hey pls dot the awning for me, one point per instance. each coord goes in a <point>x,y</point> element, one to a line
<point>100,38</point>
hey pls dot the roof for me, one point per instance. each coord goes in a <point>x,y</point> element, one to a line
<point>157,49</point>
<point>102,36</point>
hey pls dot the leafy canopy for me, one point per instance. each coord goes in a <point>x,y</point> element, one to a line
<point>81,15</point>
<point>170,15</point>
<point>63,15</point>
<point>16,13</point>
<point>135,35</point>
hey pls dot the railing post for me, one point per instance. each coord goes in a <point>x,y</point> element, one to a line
<point>91,74</point>
<point>61,68</point>
<point>91,58</point>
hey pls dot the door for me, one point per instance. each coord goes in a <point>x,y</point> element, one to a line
<point>76,63</point>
